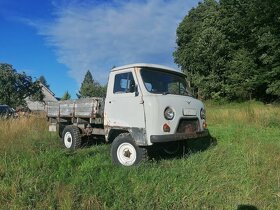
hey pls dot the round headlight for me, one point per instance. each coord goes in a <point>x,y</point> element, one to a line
<point>169,113</point>
<point>202,113</point>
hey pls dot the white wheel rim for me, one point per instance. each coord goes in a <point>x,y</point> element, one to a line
<point>126,154</point>
<point>68,140</point>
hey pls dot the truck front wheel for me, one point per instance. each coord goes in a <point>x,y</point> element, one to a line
<point>125,152</point>
<point>71,137</point>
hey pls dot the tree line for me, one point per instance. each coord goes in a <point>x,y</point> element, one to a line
<point>230,49</point>
<point>16,87</point>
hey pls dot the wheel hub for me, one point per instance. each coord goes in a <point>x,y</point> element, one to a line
<point>127,153</point>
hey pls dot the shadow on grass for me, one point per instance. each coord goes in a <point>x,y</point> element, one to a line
<point>200,145</point>
<point>89,141</point>
<point>246,207</point>
<point>182,149</point>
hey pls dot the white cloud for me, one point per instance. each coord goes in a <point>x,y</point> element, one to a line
<point>99,36</point>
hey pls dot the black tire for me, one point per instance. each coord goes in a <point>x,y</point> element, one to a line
<point>124,151</point>
<point>71,137</point>
<point>60,130</point>
<point>172,149</point>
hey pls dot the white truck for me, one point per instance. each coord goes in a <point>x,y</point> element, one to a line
<point>146,105</point>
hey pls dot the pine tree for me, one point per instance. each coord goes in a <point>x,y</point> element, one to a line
<point>91,88</point>
<point>43,80</point>
<point>87,87</point>
<point>66,96</point>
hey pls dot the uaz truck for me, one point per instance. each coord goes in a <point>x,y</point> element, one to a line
<point>146,105</point>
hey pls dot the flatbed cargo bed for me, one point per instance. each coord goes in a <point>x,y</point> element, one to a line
<point>79,108</point>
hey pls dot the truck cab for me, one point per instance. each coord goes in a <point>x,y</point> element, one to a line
<point>147,105</point>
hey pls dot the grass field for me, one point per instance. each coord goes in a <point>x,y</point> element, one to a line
<point>242,170</point>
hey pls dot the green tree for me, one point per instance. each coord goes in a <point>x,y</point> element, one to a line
<point>91,88</point>
<point>231,49</point>
<point>66,96</point>
<point>252,28</point>
<point>202,50</point>
<point>16,87</point>
<point>43,80</point>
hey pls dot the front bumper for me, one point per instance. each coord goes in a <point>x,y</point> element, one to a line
<point>178,136</point>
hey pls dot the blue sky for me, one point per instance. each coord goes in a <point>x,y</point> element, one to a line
<point>62,39</point>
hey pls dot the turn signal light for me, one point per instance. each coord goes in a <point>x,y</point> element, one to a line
<point>204,125</point>
<point>166,128</point>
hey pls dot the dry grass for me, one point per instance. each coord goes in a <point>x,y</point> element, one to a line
<point>21,132</point>
<point>250,113</point>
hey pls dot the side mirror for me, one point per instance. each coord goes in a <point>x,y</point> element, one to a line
<point>136,90</point>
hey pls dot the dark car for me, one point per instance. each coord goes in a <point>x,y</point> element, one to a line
<point>7,112</point>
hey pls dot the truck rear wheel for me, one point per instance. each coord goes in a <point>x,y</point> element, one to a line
<point>125,152</point>
<point>71,137</point>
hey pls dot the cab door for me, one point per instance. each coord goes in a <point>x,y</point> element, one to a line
<point>124,106</point>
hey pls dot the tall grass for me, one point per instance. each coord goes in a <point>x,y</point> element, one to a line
<point>20,133</point>
<point>243,169</point>
<point>250,113</point>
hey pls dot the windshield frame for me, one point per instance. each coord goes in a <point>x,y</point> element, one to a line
<point>176,77</point>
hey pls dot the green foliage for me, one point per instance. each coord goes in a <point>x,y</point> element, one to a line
<point>66,96</point>
<point>91,88</point>
<point>43,80</point>
<point>230,49</point>
<point>15,87</point>
<point>243,169</point>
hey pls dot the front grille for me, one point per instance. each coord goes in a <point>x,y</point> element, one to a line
<point>188,126</point>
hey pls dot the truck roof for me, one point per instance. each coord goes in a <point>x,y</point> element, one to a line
<point>144,65</point>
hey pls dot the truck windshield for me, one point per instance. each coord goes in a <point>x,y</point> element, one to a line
<point>162,82</point>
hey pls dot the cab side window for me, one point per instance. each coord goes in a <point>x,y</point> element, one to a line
<point>124,83</point>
